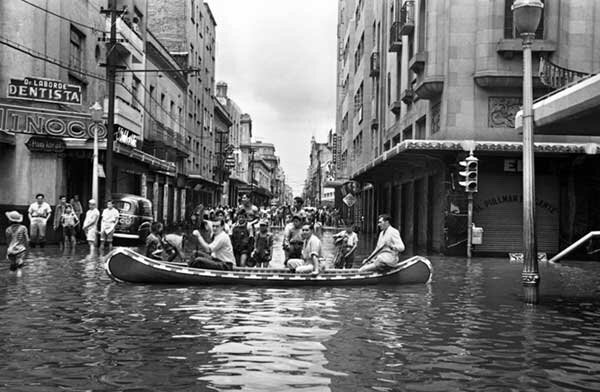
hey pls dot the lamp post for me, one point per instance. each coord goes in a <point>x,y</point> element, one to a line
<point>526,17</point>
<point>97,111</point>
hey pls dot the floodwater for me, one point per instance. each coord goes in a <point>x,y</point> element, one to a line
<point>65,326</point>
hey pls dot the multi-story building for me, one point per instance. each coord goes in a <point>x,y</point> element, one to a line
<point>239,132</point>
<point>187,29</point>
<point>261,162</point>
<point>420,84</point>
<point>48,86</point>
<point>222,124</point>
<point>318,172</point>
<point>165,133</point>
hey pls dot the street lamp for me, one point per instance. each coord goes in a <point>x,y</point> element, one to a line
<point>97,111</point>
<point>526,17</point>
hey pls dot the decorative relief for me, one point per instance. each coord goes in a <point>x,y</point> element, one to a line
<point>502,111</point>
<point>435,118</point>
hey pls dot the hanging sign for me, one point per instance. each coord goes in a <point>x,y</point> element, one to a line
<point>125,136</point>
<point>45,144</point>
<point>44,90</point>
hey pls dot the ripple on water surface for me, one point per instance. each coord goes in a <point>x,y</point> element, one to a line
<point>66,326</point>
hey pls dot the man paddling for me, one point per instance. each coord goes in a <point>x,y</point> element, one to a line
<point>389,244</point>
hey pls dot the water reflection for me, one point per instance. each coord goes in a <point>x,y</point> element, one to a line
<point>67,326</point>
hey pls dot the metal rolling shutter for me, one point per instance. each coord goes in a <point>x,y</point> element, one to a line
<point>499,210</point>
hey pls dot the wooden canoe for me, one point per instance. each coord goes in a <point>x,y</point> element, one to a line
<point>125,265</point>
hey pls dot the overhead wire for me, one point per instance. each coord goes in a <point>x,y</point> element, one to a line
<point>77,23</point>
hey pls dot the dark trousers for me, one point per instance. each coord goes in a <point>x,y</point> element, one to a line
<point>210,263</point>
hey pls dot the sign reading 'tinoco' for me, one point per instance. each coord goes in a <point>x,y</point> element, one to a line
<point>44,90</point>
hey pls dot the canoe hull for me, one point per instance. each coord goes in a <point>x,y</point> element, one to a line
<point>126,265</point>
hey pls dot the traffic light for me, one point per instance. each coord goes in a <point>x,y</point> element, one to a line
<point>469,174</point>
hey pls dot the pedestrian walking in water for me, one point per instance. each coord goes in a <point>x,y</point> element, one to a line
<point>69,222</point>
<point>39,213</point>
<point>78,210</point>
<point>90,225</point>
<point>58,213</point>
<point>17,240</point>
<point>110,217</point>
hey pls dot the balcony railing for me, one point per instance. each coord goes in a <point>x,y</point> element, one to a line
<point>556,77</point>
<point>407,17</point>
<point>374,69</point>
<point>395,37</point>
<point>158,132</point>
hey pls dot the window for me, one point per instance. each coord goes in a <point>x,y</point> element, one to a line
<point>360,49</point>
<point>345,123</point>
<point>509,29</point>
<point>386,146</point>
<point>396,140</point>
<point>420,128</point>
<point>358,102</point>
<point>76,48</point>
<point>422,25</point>
<point>135,90</point>
<point>407,133</point>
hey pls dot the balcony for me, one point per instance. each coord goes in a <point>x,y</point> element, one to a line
<point>430,87</point>
<point>395,107</point>
<point>417,62</point>
<point>395,38</point>
<point>407,18</point>
<point>408,96</point>
<point>162,135</point>
<point>374,69</point>
<point>128,41</point>
<point>509,47</point>
<point>126,115</point>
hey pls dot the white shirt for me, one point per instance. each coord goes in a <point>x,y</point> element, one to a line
<point>110,217</point>
<point>390,238</point>
<point>40,211</point>
<point>220,248</point>
<point>91,219</point>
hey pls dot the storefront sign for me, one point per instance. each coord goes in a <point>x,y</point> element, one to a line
<point>44,90</point>
<point>45,144</point>
<point>46,122</point>
<point>513,165</point>
<point>125,136</point>
<point>496,200</point>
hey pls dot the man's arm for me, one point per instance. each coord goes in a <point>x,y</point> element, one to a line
<point>203,244</point>
<point>395,242</point>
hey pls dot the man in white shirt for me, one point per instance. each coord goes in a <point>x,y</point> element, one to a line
<point>347,241</point>
<point>311,253</point>
<point>220,249</point>
<point>389,245</point>
<point>110,217</point>
<point>39,213</point>
<point>90,225</point>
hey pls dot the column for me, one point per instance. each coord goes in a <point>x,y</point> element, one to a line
<point>143,185</point>
<point>409,214</point>
<point>422,213</point>
<point>175,201</point>
<point>166,202</point>
<point>182,195</point>
<point>155,197</point>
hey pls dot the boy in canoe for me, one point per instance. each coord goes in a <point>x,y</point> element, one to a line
<point>389,245</point>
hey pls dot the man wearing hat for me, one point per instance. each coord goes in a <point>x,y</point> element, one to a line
<point>17,239</point>
<point>263,245</point>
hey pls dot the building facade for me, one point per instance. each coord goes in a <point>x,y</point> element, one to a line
<point>316,192</point>
<point>47,88</point>
<point>187,30</point>
<point>420,84</point>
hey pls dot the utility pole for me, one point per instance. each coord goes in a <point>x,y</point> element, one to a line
<point>110,76</point>
<point>319,176</point>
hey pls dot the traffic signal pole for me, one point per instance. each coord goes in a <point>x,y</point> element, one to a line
<point>469,224</point>
<point>470,175</point>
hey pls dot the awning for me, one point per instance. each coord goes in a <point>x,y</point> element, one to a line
<point>573,110</point>
<point>414,152</point>
<point>7,137</point>
<point>198,178</point>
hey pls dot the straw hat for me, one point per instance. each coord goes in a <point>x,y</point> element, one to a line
<point>264,222</point>
<point>14,216</point>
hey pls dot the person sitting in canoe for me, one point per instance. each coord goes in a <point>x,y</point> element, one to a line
<point>346,242</point>
<point>311,253</point>
<point>220,249</point>
<point>173,245</point>
<point>389,245</point>
<point>292,239</point>
<point>154,241</point>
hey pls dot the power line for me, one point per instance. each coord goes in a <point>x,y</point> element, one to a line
<point>80,24</point>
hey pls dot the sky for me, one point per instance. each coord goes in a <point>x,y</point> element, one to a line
<point>278,58</point>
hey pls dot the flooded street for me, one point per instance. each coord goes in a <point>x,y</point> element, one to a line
<point>66,326</point>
